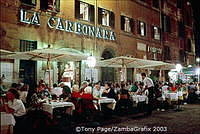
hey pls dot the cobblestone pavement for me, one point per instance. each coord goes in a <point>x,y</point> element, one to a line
<point>167,122</point>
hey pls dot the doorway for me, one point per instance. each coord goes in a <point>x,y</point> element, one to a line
<point>27,72</point>
<point>107,72</point>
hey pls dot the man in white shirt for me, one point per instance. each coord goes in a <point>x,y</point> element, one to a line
<point>149,85</point>
<point>97,92</point>
<point>56,90</point>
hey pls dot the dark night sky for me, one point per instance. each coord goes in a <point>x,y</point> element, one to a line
<point>196,13</point>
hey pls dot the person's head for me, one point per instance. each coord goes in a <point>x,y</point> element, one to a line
<point>84,84</point>
<point>143,75</point>
<point>88,90</point>
<point>123,85</point>
<point>41,87</point>
<point>55,85</point>
<point>75,88</point>
<point>97,86</point>
<point>12,94</point>
<point>66,90</point>
<point>108,85</point>
<point>117,85</point>
<point>141,84</point>
<point>14,85</point>
<point>136,83</point>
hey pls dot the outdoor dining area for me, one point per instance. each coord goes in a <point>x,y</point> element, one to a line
<point>59,107</point>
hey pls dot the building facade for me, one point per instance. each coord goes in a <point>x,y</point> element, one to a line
<point>146,29</point>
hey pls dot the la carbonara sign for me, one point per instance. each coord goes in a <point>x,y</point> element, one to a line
<point>67,26</point>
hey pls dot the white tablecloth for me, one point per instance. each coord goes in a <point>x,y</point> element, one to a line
<point>139,98</point>
<point>7,119</point>
<point>48,107</point>
<point>111,102</point>
<point>197,92</point>
<point>172,96</point>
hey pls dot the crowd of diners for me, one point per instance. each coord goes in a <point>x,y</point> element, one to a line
<point>20,98</point>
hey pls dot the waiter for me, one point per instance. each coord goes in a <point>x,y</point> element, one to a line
<point>148,85</point>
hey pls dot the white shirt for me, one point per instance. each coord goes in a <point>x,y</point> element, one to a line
<point>57,91</point>
<point>97,93</point>
<point>165,88</point>
<point>18,106</point>
<point>148,82</point>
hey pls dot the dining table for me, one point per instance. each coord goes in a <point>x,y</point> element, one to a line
<point>139,98</point>
<point>110,102</point>
<point>7,123</point>
<point>50,106</point>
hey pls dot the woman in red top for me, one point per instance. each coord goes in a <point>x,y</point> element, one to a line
<point>173,87</point>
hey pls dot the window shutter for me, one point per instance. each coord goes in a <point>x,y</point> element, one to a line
<point>152,32</point>
<point>91,13</point>
<point>159,31</point>
<point>122,22</point>
<point>100,16</point>
<point>165,23</point>
<point>57,5</point>
<point>145,29</point>
<point>112,19</point>
<point>77,9</point>
<point>138,27</point>
<point>168,24</point>
<point>132,25</point>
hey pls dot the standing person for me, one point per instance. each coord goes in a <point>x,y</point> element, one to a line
<point>148,85</point>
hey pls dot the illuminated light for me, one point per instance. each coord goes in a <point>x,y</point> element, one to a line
<point>198,71</point>
<point>178,67</point>
<point>91,61</point>
<point>198,59</point>
<point>189,65</point>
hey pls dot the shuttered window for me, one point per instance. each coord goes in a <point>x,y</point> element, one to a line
<point>155,33</point>
<point>127,24</point>
<point>181,29</point>
<point>50,5</point>
<point>141,28</point>
<point>106,17</point>
<point>26,45</point>
<point>167,53</point>
<point>84,11</point>
<point>29,2</point>
<point>166,23</point>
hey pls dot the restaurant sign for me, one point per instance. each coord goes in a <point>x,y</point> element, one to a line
<point>67,26</point>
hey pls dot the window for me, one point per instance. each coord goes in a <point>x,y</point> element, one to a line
<point>142,28</point>
<point>155,3</point>
<point>50,5</point>
<point>127,24</point>
<point>156,32</point>
<point>27,45</point>
<point>167,54</point>
<point>166,23</point>
<point>29,2</point>
<point>181,29</point>
<point>106,18</point>
<point>84,11</point>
